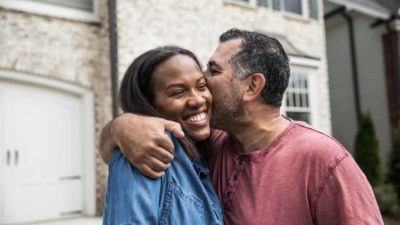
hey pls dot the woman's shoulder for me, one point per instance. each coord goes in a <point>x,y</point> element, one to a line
<point>122,173</point>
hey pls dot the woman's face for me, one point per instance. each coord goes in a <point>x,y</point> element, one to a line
<point>181,95</point>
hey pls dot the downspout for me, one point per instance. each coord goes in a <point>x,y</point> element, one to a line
<point>112,30</point>
<point>395,69</point>
<point>349,19</point>
<point>357,100</point>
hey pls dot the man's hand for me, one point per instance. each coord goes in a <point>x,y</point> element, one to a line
<point>142,140</point>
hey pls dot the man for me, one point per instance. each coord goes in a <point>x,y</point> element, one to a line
<point>266,168</point>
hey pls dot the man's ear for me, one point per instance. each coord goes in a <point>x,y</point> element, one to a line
<point>255,84</point>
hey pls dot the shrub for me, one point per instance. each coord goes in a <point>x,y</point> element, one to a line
<point>366,150</point>
<point>387,200</point>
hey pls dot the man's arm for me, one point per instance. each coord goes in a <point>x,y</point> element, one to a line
<point>347,197</point>
<point>142,140</point>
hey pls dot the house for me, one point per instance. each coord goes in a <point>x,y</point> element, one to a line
<point>59,71</point>
<point>363,66</point>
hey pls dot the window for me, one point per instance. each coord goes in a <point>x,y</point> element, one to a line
<point>83,10</point>
<point>262,3</point>
<point>297,99</point>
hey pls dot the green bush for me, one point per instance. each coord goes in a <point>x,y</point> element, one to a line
<point>394,162</point>
<point>366,150</point>
<point>387,200</point>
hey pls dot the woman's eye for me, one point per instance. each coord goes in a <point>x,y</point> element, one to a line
<point>202,86</point>
<point>177,93</point>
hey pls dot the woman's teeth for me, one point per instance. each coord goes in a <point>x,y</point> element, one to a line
<point>197,118</point>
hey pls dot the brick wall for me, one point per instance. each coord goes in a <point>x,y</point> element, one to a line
<point>78,52</point>
<point>196,25</point>
<point>65,50</point>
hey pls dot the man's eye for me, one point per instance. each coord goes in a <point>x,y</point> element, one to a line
<point>212,72</point>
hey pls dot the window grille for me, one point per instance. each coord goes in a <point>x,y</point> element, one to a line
<point>297,97</point>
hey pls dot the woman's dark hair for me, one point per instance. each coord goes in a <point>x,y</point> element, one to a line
<point>136,94</point>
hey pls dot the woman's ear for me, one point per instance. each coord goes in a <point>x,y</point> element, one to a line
<point>255,84</point>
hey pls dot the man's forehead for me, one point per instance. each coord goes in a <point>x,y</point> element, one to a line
<point>226,49</point>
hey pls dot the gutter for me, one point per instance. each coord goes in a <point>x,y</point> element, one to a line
<point>342,11</point>
<point>112,30</point>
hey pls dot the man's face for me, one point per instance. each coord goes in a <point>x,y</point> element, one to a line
<point>224,86</point>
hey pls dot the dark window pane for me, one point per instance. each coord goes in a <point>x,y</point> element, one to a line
<point>313,8</point>
<point>302,116</point>
<point>294,99</point>
<point>306,99</point>
<point>262,3</point>
<point>276,4</point>
<point>293,6</point>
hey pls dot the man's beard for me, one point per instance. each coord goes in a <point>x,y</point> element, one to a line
<point>227,108</point>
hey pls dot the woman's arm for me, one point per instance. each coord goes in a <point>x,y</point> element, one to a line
<point>131,198</point>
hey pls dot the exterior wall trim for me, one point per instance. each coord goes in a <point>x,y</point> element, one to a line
<point>89,183</point>
<point>307,62</point>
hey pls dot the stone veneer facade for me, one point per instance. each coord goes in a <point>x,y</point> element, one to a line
<point>78,52</point>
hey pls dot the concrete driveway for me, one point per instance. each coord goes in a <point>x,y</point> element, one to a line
<point>73,221</point>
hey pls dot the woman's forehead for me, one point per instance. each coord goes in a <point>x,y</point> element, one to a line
<point>179,67</point>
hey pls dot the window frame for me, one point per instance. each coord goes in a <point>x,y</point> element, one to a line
<point>309,67</point>
<point>305,8</point>
<point>49,9</point>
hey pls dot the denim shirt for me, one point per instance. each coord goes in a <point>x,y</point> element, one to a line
<point>183,195</point>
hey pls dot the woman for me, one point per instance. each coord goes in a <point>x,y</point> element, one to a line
<point>166,82</point>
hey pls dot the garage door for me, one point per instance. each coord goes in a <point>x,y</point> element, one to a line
<point>40,153</point>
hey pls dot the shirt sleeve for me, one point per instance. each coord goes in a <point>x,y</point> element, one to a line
<point>346,197</point>
<point>131,198</point>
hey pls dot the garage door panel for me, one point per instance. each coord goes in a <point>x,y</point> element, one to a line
<point>43,132</point>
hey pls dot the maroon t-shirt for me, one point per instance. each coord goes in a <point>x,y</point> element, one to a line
<point>303,177</point>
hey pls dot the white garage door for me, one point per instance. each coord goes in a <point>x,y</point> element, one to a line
<point>40,153</point>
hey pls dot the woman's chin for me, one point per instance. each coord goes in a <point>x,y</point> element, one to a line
<point>199,135</point>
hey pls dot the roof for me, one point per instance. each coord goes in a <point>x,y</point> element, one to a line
<point>289,48</point>
<point>392,5</point>
<point>368,7</point>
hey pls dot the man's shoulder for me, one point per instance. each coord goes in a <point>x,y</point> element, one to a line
<point>315,143</point>
<point>313,136</point>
